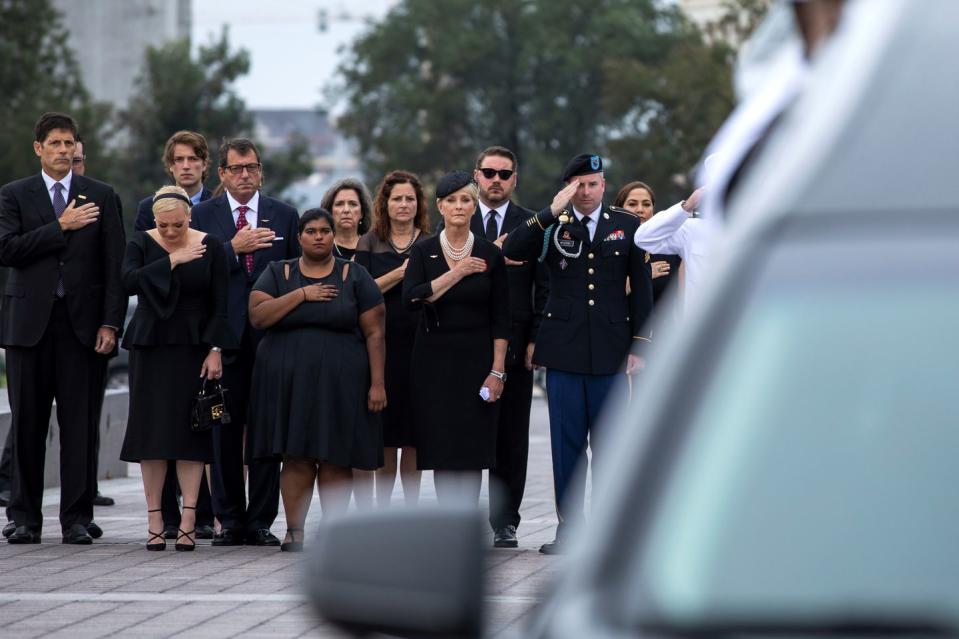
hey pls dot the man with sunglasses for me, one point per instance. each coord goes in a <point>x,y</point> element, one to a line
<point>256,230</point>
<point>495,217</point>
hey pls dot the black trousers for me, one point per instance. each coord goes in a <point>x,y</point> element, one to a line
<point>171,505</point>
<point>229,494</point>
<point>58,367</point>
<point>508,478</point>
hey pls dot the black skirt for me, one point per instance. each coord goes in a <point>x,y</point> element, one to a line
<point>164,381</point>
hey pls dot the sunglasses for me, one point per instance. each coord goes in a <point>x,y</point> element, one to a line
<point>489,174</point>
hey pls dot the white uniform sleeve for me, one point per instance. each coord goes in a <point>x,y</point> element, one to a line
<point>664,233</point>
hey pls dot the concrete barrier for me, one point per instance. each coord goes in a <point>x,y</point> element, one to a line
<point>113,425</point>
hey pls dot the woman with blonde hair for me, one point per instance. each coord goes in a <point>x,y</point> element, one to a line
<point>179,276</point>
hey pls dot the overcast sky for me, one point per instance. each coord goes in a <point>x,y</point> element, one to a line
<point>290,58</point>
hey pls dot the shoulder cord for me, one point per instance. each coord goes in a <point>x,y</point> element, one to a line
<point>542,256</point>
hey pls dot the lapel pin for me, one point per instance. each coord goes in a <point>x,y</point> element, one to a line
<point>81,197</point>
<point>433,257</point>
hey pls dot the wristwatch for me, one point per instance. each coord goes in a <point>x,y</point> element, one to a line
<point>498,375</point>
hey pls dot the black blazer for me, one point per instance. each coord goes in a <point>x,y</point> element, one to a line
<point>528,286</point>
<point>39,253</point>
<point>589,324</point>
<point>145,221</point>
<point>215,217</point>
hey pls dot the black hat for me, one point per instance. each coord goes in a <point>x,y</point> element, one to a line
<point>452,182</point>
<point>583,164</point>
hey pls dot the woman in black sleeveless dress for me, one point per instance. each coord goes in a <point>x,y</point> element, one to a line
<point>179,276</point>
<point>400,221</point>
<point>318,378</point>
<point>458,282</point>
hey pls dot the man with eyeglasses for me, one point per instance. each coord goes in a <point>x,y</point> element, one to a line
<point>495,217</point>
<point>256,230</point>
<point>186,158</point>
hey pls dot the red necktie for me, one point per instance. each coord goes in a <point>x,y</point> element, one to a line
<point>240,223</point>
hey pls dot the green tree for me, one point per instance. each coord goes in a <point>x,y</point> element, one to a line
<point>177,90</point>
<point>431,84</point>
<point>38,73</point>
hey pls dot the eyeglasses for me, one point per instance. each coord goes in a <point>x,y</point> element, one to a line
<point>237,169</point>
<point>80,160</point>
<point>504,174</point>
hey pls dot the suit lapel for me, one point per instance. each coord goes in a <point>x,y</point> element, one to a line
<point>41,200</point>
<point>264,220</point>
<point>604,226</point>
<point>476,223</point>
<point>513,218</point>
<point>224,217</point>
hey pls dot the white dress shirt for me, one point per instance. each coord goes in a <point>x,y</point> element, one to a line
<point>673,232</point>
<point>66,181</point>
<point>593,220</point>
<point>500,215</point>
<point>251,214</point>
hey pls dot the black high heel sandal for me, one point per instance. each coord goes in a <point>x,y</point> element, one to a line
<point>293,545</point>
<point>183,533</point>
<point>153,535</point>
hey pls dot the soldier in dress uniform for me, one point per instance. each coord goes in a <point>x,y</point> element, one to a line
<point>590,323</point>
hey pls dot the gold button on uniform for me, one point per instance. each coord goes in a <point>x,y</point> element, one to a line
<point>591,286</point>
<point>591,302</point>
<point>590,256</point>
<point>590,271</point>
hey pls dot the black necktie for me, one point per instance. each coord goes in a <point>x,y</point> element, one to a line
<point>586,221</point>
<point>491,232</point>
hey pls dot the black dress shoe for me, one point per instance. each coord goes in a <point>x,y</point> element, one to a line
<point>262,537</point>
<point>169,531</point>
<point>8,529</point>
<point>505,537</point>
<point>228,537</point>
<point>102,500</point>
<point>94,530</point>
<point>24,535</point>
<point>555,547</point>
<point>77,534</point>
<point>204,532</point>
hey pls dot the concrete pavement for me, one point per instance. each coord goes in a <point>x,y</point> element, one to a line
<point>115,587</point>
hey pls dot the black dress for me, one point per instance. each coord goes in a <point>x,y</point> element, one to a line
<point>663,284</point>
<point>454,428</point>
<point>379,258</point>
<point>180,314</point>
<point>343,252</point>
<point>311,379</point>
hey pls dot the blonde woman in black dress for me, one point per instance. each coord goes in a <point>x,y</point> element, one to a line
<point>179,276</point>
<point>458,282</point>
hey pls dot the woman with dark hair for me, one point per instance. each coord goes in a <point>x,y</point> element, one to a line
<point>349,202</point>
<point>179,276</point>
<point>400,222</point>
<point>318,377</point>
<point>458,281</point>
<point>638,198</point>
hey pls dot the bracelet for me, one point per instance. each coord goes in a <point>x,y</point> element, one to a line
<point>216,349</point>
<point>498,375</point>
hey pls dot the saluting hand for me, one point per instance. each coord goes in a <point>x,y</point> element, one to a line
<point>76,217</point>
<point>563,197</point>
<point>692,202</point>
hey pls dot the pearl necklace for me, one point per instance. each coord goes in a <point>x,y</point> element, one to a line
<point>456,255</point>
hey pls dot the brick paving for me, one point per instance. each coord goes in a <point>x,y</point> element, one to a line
<point>115,587</point>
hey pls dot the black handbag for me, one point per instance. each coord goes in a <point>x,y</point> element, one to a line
<point>209,407</point>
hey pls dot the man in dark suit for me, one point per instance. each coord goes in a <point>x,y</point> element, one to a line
<point>496,216</point>
<point>186,158</point>
<point>590,323</point>
<point>256,230</point>
<point>63,306</point>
